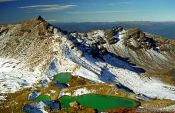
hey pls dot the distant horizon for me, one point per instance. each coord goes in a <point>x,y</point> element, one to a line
<point>116,21</point>
<point>89,21</point>
<point>72,11</point>
<point>165,29</point>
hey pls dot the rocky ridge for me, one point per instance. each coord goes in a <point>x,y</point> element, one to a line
<point>33,51</point>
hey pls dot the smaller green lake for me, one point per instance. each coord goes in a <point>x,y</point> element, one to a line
<point>43,97</point>
<point>63,77</point>
<point>99,102</point>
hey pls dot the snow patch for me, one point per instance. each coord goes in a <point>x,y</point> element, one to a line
<point>2,98</point>
<point>14,77</point>
<point>148,86</point>
<point>81,91</point>
<point>63,93</point>
<point>85,73</point>
<point>99,33</point>
<point>156,54</point>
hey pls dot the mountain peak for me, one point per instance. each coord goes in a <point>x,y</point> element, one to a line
<point>38,18</point>
<point>35,20</point>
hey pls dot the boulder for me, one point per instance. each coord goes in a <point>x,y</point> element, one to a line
<point>74,104</point>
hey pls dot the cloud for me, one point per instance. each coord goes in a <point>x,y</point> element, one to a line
<point>51,20</point>
<point>101,12</point>
<point>47,8</point>
<point>1,1</point>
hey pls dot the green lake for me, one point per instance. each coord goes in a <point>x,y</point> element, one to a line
<point>99,102</point>
<point>43,97</point>
<point>63,77</point>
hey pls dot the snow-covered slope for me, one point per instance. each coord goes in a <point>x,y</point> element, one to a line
<point>13,76</point>
<point>34,50</point>
<point>149,52</point>
<point>29,53</point>
<point>115,69</point>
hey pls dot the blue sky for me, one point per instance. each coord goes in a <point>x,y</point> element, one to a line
<point>87,10</point>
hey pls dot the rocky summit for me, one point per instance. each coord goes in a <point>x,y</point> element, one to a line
<point>127,62</point>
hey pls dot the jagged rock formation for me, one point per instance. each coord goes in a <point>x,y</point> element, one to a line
<point>153,53</point>
<point>33,51</point>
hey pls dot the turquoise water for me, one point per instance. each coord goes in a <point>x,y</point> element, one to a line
<point>99,102</point>
<point>63,77</point>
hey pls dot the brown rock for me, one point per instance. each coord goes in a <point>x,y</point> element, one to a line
<point>74,104</point>
<point>121,110</point>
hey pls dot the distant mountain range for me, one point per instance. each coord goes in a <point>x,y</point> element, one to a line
<point>165,29</point>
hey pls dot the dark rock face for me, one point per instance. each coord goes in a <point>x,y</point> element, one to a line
<point>39,18</point>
